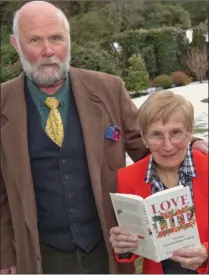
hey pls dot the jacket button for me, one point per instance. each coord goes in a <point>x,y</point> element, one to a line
<point>66,177</point>
<point>63,160</point>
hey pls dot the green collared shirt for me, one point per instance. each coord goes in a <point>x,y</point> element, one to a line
<point>39,98</point>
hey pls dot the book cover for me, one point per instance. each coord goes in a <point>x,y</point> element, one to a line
<point>163,222</point>
<point>173,222</point>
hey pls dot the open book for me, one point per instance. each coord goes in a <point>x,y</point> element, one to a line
<point>163,222</point>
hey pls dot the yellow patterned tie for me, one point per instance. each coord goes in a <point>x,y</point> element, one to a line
<point>54,125</point>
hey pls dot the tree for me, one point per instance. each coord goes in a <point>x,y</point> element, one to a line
<point>92,26</point>
<point>197,61</point>
<point>198,10</point>
<point>158,14</point>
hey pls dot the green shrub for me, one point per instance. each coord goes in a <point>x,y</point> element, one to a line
<point>94,59</point>
<point>137,77</point>
<point>8,54</point>
<point>164,81</point>
<point>180,78</point>
<point>9,72</point>
<point>160,48</point>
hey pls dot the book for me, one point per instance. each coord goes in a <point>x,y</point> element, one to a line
<point>163,222</point>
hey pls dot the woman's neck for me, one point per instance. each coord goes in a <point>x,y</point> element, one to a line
<point>168,176</point>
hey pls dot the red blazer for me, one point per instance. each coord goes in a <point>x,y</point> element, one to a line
<point>131,181</point>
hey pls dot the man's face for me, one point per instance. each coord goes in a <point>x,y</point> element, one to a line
<point>44,49</point>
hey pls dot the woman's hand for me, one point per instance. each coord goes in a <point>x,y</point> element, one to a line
<point>122,241</point>
<point>191,258</point>
<point>9,270</point>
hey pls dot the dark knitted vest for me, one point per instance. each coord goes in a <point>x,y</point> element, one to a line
<point>67,214</point>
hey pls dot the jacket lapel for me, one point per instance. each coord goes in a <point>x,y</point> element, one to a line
<point>15,147</point>
<point>89,106</point>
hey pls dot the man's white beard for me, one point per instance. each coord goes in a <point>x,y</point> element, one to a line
<point>48,75</point>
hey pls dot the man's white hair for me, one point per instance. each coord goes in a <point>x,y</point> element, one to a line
<point>16,18</point>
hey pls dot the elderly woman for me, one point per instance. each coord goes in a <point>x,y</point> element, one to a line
<point>166,121</point>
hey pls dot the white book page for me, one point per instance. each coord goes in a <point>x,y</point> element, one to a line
<point>128,213</point>
<point>146,246</point>
<point>131,196</point>
<point>131,215</point>
<point>166,191</point>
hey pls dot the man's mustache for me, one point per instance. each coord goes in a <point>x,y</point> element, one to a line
<point>49,62</point>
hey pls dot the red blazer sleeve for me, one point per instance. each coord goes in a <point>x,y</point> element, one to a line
<point>126,260</point>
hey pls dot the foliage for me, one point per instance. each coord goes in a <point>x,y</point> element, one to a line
<point>179,78</point>
<point>159,15</point>
<point>94,59</point>
<point>7,10</point>
<point>10,67</point>
<point>160,48</point>
<point>167,50</point>
<point>149,55</point>
<point>199,33</point>
<point>9,72</point>
<point>137,78</point>
<point>6,31</point>
<point>122,15</point>
<point>164,81</point>
<point>9,55</point>
<point>92,26</point>
<point>198,10</point>
<point>197,61</point>
<point>126,15</point>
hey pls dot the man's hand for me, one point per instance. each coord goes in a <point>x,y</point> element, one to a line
<point>9,270</point>
<point>190,258</point>
<point>200,145</point>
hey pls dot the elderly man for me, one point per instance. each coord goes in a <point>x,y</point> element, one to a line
<point>64,133</point>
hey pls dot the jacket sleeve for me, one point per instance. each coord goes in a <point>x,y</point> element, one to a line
<point>203,269</point>
<point>126,260</point>
<point>7,256</point>
<point>133,141</point>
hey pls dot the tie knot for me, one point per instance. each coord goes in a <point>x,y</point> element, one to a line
<point>52,102</point>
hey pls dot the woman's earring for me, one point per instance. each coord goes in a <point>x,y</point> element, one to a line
<point>147,146</point>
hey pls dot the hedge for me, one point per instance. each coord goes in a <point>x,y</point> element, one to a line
<point>160,48</point>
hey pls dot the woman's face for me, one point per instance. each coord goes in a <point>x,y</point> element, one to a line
<point>168,142</point>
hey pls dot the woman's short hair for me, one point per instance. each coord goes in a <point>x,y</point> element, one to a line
<point>161,106</point>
